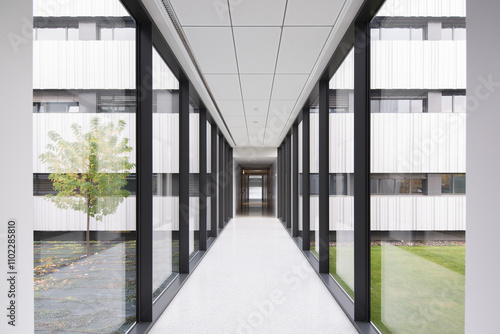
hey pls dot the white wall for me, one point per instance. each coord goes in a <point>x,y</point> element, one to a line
<point>15,137</point>
<point>483,163</point>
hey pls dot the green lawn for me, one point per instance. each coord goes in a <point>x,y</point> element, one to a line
<point>415,289</point>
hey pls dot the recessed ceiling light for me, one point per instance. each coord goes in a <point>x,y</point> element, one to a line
<point>256,121</point>
<point>256,109</point>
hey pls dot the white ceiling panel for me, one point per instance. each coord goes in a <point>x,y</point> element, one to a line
<point>257,12</point>
<point>231,108</point>
<point>201,12</point>
<point>235,121</point>
<point>300,47</point>
<point>313,12</point>
<point>224,86</point>
<point>288,86</point>
<point>213,48</point>
<point>256,107</point>
<point>281,108</point>
<point>257,48</point>
<point>256,121</point>
<point>256,87</point>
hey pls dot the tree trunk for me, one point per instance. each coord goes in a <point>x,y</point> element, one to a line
<point>88,235</point>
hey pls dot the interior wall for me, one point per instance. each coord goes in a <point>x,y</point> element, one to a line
<point>16,197</point>
<point>483,162</point>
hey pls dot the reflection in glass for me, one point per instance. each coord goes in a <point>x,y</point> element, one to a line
<point>194,178</point>
<point>165,175</point>
<point>341,169</point>
<point>83,176</point>
<point>418,181</point>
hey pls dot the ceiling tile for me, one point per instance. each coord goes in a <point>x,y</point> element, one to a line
<point>313,12</point>
<point>213,48</point>
<point>235,121</point>
<point>201,12</point>
<point>258,12</point>
<point>257,48</point>
<point>281,108</point>
<point>256,107</point>
<point>288,86</point>
<point>300,48</point>
<point>224,86</point>
<point>256,121</point>
<point>231,108</point>
<point>256,87</point>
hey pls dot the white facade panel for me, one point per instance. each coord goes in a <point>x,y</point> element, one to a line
<point>84,65</point>
<point>341,143</point>
<point>418,65</point>
<point>418,143</point>
<point>430,8</point>
<point>79,8</point>
<point>398,213</point>
<point>166,143</point>
<point>314,143</point>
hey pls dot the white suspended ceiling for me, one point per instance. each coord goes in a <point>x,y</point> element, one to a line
<point>259,58</point>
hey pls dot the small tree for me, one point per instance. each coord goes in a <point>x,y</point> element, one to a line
<point>90,173</point>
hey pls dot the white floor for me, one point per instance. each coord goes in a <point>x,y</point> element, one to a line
<point>253,280</point>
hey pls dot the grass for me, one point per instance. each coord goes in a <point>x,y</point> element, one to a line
<point>414,289</point>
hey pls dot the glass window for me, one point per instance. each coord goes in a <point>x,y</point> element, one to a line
<point>314,176</point>
<point>447,34</point>
<point>459,34</point>
<point>341,167</point>
<point>166,176</point>
<point>51,34</point>
<point>417,256</point>
<point>417,34</point>
<point>124,34</point>
<point>395,34</point>
<point>459,184</point>
<point>106,34</point>
<point>459,103</point>
<point>84,230</point>
<point>447,103</point>
<point>194,178</point>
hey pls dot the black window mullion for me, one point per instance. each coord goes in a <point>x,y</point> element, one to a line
<point>144,167</point>
<point>203,179</point>
<point>362,172</point>
<point>184,177</point>
<point>324,193</point>
<point>288,183</point>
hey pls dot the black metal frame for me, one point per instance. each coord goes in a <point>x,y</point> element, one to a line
<point>203,179</point>
<point>324,195</point>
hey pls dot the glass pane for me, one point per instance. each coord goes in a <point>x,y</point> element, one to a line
<point>341,172</point>
<point>459,34</point>
<point>395,34</point>
<point>446,184</point>
<point>83,178</point>
<point>314,176</point>
<point>447,34</point>
<point>447,103</point>
<point>459,184</point>
<point>459,103</point>
<point>124,34</point>
<point>194,178</point>
<point>418,228</point>
<point>166,175</point>
<point>209,193</point>
<point>51,34</point>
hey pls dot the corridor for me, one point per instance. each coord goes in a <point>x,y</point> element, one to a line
<point>253,280</point>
